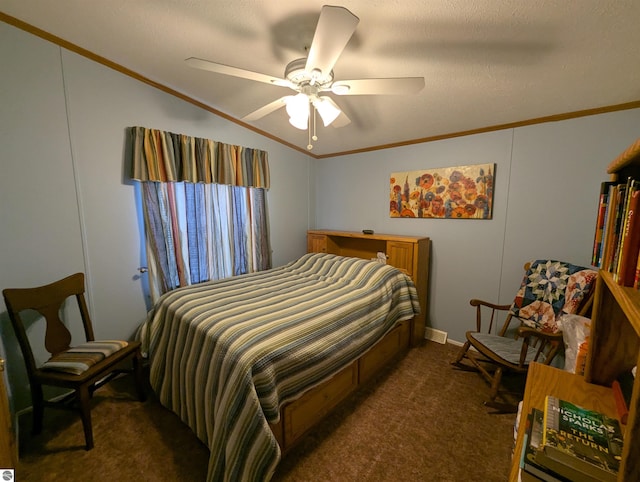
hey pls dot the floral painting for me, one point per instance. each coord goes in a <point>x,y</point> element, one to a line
<point>464,192</point>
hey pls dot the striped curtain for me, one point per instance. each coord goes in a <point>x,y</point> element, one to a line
<point>204,205</point>
<point>167,157</point>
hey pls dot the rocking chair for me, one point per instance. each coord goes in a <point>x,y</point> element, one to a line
<point>549,289</point>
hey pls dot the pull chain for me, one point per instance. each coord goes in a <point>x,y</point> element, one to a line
<point>315,123</point>
<point>312,121</point>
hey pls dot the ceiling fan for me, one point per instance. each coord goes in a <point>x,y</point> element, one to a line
<point>313,76</point>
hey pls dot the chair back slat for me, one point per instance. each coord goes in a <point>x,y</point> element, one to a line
<point>57,336</point>
<point>48,301</point>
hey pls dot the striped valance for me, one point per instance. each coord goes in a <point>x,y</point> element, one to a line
<point>165,157</point>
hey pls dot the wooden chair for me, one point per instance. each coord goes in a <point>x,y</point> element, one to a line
<point>548,290</point>
<point>83,368</point>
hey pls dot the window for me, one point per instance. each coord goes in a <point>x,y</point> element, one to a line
<point>198,229</point>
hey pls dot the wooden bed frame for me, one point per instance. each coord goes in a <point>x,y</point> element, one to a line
<point>299,416</point>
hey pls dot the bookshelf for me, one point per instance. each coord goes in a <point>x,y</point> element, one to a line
<point>626,164</point>
<point>614,348</point>
<point>617,235</point>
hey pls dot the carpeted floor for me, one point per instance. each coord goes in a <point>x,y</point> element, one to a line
<point>420,420</point>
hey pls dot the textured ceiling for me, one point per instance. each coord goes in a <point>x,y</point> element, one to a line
<point>485,62</point>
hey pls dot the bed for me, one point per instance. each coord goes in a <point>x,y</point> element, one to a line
<point>245,360</point>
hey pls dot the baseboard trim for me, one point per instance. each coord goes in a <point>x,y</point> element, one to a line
<point>454,342</point>
<point>438,336</point>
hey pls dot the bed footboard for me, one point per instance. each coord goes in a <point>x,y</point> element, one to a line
<point>299,416</point>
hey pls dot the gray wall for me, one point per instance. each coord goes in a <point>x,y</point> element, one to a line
<point>546,195</point>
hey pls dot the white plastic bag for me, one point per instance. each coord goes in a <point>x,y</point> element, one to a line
<point>575,334</point>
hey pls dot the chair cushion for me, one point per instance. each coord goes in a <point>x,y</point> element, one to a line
<point>550,289</point>
<point>79,359</point>
<point>506,348</point>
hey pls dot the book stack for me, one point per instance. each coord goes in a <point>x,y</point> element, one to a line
<point>566,442</point>
<point>616,242</point>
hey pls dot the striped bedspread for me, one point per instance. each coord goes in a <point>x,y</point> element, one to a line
<point>226,355</point>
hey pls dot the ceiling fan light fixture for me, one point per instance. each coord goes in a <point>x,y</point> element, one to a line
<point>328,110</point>
<point>299,122</point>
<point>298,106</point>
<point>340,89</point>
<point>298,110</point>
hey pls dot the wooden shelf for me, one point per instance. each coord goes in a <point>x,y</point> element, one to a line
<point>628,159</point>
<point>628,299</point>
<point>543,380</point>
<point>614,348</point>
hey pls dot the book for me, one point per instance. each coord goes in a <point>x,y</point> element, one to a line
<point>578,443</point>
<point>630,187</point>
<point>631,240</point>
<point>600,222</point>
<point>621,403</point>
<point>622,389</point>
<point>636,280</point>
<point>529,468</point>
<point>609,228</point>
<point>617,228</point>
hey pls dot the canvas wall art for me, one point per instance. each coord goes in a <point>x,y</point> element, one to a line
<point>463,192</point>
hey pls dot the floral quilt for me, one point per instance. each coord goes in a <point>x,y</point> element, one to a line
<point>550,289</point>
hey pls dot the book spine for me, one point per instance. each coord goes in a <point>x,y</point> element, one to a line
<point>623,230</point>
<point>636,279</point>
<point>615,241</point>
<point>526,441</point>
<point>532,442</point>
<point>621,404</point>
<point>551,418</point>
<point>631,241</point>
<point>609,228</point>
<point>567,473</point>
<point>600,222</point>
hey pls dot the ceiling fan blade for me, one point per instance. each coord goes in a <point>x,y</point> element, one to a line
<point>235,72</point>
<point>334,29</point>
<point>397,86</point>
<point>267,109</point>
